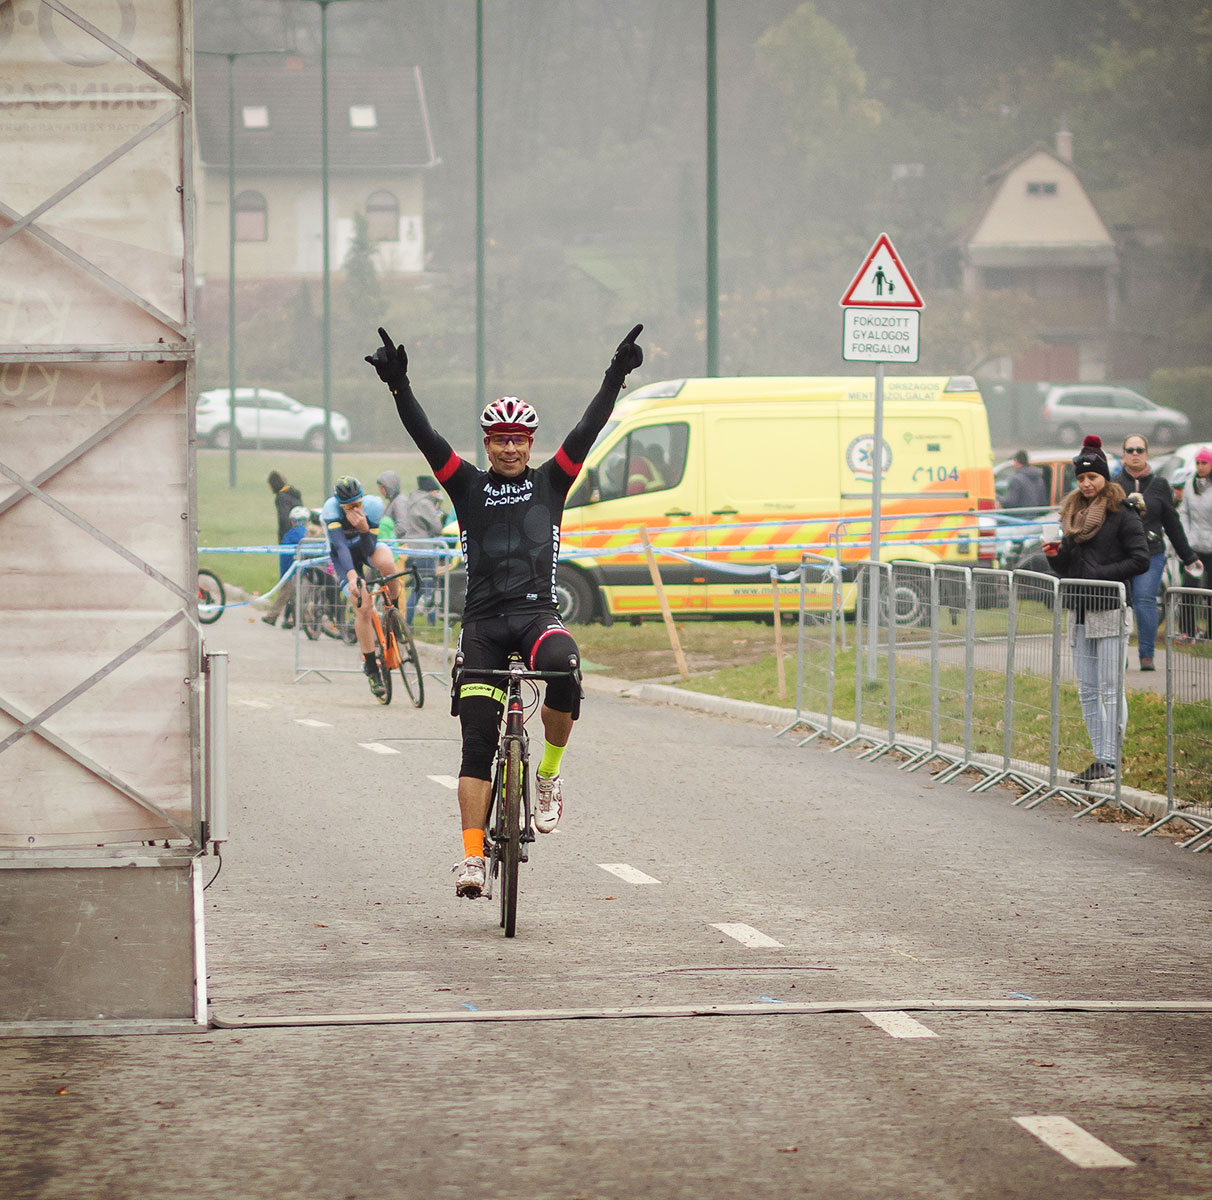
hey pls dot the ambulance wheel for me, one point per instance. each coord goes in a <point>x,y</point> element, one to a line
<point>910,603</point>
<point>575,597</point>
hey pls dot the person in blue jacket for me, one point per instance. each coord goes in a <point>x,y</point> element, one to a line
<point>351,523</point>
<point>284,602</point>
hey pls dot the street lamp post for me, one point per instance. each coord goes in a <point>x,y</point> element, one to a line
<point>713,282</point>
<point>326,268</point>
<point>231,56</point>
<point>481,371</point>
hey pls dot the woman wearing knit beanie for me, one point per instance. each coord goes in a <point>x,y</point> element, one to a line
<point>1103,539</point>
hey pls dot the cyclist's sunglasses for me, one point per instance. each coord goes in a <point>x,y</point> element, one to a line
<point>510,439</point>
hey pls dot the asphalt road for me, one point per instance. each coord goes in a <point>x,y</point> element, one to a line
<point>835,881</point>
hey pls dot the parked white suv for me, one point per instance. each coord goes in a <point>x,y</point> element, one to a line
<point>264,417</point>
<point>1073,410</point>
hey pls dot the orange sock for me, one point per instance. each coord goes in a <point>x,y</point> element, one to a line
<point>473,843</point>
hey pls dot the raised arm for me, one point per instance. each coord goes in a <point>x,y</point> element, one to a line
<point>391,363</point>
<point>577,444</point>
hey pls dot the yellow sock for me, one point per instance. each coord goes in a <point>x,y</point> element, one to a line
<point>473,843</point>
<point>550,763</point>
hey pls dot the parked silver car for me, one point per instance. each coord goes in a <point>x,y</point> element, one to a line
<point>265,417</point>
<point>1073,410</point>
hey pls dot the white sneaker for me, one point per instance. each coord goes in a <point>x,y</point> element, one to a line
<point>550,806</point>
<point>469,877</point>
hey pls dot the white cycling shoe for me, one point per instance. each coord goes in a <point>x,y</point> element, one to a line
<point>469,877</point>
<point>549,806</point>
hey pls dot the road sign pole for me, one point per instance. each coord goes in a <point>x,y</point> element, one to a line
<point>880,324</point>
<point>877,487</point>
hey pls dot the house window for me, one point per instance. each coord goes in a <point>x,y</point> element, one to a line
<point>255,116</point>
<point>252,217</point>
<point>383,217</point>
<point>1041,189</point>
<point>363,116</point>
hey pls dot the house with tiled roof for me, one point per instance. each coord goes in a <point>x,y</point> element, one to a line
<point>380,147</point>
<point>1036,229</point>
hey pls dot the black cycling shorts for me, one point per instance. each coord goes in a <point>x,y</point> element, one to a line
<point>542,641</point>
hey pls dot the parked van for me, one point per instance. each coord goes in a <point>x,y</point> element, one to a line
<point>747,472</point>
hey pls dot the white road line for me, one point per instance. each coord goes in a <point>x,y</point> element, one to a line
<point>1071,1140</point>
<point>899,1025</point>
<point>251,703</point>
<point>746,935</point>
<point>628,873</point>
<point>447,781</point>
<point>377,748</point>
<point>312,724</point>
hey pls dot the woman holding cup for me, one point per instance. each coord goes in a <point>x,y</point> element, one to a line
<point>1101,539</point>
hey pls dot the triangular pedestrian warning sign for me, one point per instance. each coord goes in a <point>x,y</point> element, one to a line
<point>882,281</point>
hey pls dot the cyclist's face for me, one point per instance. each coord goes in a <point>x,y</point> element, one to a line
<point>508,453</point>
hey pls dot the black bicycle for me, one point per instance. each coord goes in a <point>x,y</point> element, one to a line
<point>211,596</point>
<point>508,828</point>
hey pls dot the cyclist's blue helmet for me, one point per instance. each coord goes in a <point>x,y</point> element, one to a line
<point>348,490</point>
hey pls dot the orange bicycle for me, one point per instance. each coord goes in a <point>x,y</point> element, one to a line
<point>396,651</point>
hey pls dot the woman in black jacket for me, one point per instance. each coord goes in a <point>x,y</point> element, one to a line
<point>1103,539</point>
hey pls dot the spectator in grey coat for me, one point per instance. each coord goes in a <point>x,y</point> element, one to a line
<point>1027,488</point>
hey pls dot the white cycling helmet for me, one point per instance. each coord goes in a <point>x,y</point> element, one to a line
<point>508,414</point>
<point>300,513</point>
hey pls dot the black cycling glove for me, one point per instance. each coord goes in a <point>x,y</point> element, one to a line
<point>391,362</point>
<point>627,357</point>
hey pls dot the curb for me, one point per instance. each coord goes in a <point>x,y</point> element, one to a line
<point>1149,803</point>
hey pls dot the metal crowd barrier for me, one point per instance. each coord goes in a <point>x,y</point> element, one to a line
<point>1189,714</point>
<point>325,641</point>
<point>986,671</point>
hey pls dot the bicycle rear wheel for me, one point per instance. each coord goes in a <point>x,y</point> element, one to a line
<point>211,597</point>
<point>311,601</point>
<point>410,661</point>
<point>511,834</point>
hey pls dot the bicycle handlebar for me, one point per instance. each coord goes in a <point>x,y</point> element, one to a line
<point>515,672</point>
<point>386,578</point>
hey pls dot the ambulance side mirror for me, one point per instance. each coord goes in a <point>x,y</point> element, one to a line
<point>595,491</point>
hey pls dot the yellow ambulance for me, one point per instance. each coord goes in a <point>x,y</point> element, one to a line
<point>727,477</point>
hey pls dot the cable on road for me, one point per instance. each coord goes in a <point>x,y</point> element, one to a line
<point>815,1008</point>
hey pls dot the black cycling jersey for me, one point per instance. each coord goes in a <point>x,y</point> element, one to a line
<point>509,528</point>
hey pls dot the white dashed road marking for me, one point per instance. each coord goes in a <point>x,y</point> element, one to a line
<point>251,703</point>
<point>312,724</point>
<point>747,935</point>
<point>377,748</point>
<point>628,873</point>
<point>1082,1149</point>
<point>899,1025</point>
<point>447,781</point>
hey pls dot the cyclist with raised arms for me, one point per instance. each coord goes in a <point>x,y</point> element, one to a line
<point>351,523</point>
<point>509,527</point>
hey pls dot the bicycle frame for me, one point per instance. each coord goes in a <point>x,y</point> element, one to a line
<point>508,827</point>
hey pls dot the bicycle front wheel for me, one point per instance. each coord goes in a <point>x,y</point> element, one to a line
<point>511,834</point>
<point>384,673</point>
<point>211,597</point>
<point>410,661</point>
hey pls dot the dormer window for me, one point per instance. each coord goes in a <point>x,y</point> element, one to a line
<point>363,116</point>
<point>1041,189</point>
<point>256,116</point>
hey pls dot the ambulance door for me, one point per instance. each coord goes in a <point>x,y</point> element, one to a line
<point>925,456</point>
<point>772,492</point>
<point>648,476</point>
